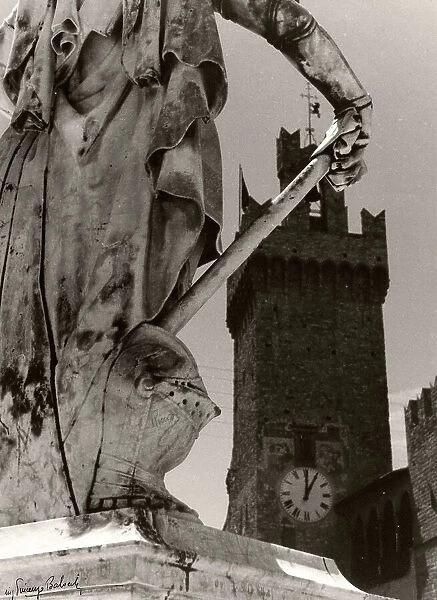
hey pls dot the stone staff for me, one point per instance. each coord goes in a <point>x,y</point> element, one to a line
<point>274,212</point>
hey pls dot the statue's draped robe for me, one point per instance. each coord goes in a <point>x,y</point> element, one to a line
<point>110,197</point>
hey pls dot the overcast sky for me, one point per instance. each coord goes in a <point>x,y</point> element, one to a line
<point>391,46</point>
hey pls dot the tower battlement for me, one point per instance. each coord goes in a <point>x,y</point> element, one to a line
<point>313,248</point>
<point>373,225</point>
<point>422,412</point>
<point>329,218</point>
<point>317,231</point>
<point>421,428</point>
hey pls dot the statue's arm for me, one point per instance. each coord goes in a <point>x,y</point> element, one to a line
<point>6,39</point>
<point>293,30</point>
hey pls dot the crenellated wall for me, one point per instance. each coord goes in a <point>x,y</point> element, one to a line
<point>421,427</point>
<point>382,526</point>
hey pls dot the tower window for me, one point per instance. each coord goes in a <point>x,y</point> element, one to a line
<point>317,220</point>
<point>305,447</point>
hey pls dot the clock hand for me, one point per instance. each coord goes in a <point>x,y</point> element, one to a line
<point>310,487</point>
<point>306,492</point>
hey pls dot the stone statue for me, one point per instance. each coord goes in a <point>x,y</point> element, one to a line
<point>110,200</point>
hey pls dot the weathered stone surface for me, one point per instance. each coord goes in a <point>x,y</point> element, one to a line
<point>85,226</point>
<point>134,554</point>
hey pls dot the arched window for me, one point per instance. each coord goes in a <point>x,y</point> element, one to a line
<point>388,538</point>
<point>373,548</point>
<point>405,534</point>
<point>358,551</point>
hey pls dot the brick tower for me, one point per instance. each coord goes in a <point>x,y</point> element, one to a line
<point>421,427</point>
<point>310,399</point>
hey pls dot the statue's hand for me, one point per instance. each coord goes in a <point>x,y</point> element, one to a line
<point>346,140</point>
<point>348,164</point>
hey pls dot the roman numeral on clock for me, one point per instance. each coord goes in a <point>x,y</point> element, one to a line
<point>288,503</point>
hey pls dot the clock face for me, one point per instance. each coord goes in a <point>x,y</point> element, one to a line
<point>306,494</point>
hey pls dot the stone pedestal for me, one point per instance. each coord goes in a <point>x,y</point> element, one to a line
<point>133,554</point>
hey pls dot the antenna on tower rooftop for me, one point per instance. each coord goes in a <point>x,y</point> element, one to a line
<point>313,109</point>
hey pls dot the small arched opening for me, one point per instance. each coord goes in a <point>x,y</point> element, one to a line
<point>388,539</point>
<point>404,535</point>
<point>373,548</point>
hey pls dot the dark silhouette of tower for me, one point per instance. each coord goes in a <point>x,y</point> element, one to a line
<point>305,314</point>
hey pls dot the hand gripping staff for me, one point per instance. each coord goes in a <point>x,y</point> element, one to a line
<point>339,140</point>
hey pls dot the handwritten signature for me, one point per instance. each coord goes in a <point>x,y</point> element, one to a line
<point>24,589</point>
